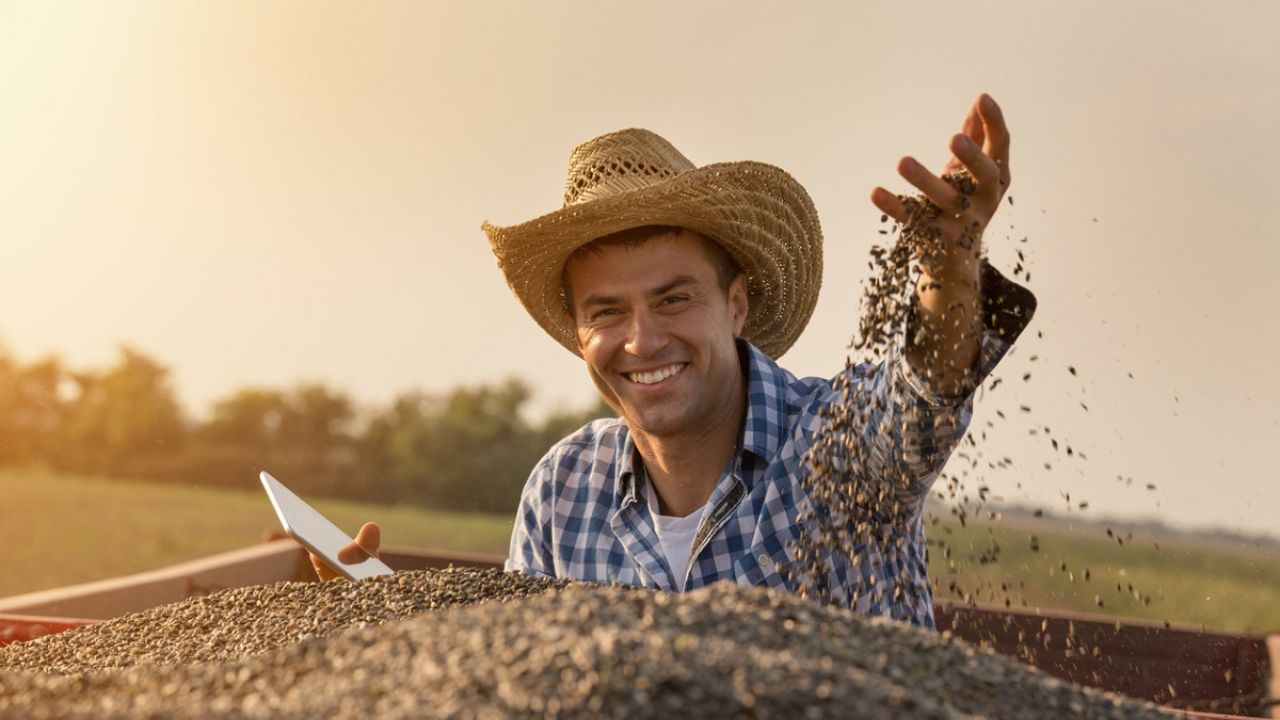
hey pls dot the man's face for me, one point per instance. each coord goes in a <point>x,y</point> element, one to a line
<point>657,331</point>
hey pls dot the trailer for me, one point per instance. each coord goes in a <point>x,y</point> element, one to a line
<point>1208,674</point>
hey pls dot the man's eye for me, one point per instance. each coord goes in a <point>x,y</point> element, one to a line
<point>607,312</point>
<point>674,299</point>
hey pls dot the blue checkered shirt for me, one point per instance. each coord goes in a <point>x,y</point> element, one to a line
<point>583,513</point>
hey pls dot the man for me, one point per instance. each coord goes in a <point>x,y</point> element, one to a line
<point>679,286</point>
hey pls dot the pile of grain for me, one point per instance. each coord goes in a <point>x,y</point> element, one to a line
<point>237,623</point>
<point>581,651</point>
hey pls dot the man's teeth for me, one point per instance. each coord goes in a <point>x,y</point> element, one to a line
<point>649,378</point>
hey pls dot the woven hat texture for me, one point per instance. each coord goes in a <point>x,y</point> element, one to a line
<point>631,178</point>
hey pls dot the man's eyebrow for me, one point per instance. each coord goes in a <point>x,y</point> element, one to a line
<point>596,299</point>
<point>675,282</point>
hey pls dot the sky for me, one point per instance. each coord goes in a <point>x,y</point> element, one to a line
<point>258,194</point>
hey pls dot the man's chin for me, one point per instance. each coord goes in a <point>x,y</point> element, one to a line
<point>653,423</point>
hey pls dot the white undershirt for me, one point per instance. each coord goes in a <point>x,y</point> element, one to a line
<point>675,534</point>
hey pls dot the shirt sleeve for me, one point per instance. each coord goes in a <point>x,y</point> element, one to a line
<point>1007,307</point>
<point>531,542</point>
<point>893,426</point>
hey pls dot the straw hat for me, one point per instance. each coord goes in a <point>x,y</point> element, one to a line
<point>630,178</point>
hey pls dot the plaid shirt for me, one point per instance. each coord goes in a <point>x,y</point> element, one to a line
<point>583,514</point>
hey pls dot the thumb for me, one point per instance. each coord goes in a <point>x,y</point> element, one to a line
<point>370,538</point>
<point>365,546</point>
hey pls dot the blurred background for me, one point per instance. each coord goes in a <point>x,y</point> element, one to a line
<point>241,236</point>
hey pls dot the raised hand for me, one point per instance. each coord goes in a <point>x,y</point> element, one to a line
<point>948,290</point>
<point>982,150</point>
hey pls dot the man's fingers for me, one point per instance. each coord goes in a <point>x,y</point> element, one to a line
<point>971,128</point>
<point>368,540</point>
<point>323,571</point>
<point>352,553</point>
<point>997,134</point>
<point>889,204</point>
<point>933,187</point>
<point>982,168</point>
<point>972,125</point>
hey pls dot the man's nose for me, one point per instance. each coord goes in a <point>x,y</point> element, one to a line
<point>645,336</point>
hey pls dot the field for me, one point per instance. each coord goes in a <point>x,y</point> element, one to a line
<point>58,530</point>
<point>1179,579</point>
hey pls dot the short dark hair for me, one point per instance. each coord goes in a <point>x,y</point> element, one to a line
<point>726,267</point>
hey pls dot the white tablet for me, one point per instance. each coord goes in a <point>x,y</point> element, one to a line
<point>316,533</point>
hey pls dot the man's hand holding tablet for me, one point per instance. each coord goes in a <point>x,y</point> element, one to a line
<point>366,545</point>
<point>333,552</point>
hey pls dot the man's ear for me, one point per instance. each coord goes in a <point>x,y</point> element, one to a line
<point>738,305</point>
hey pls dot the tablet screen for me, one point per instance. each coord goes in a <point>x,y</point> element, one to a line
<point>316,533</point>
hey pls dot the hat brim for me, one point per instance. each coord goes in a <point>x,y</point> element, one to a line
<point>758,212</point>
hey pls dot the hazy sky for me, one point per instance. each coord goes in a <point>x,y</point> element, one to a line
<point>259,193</point>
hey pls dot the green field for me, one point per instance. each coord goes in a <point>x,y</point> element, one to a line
<point>1183,580</point>
<point>57,530</point>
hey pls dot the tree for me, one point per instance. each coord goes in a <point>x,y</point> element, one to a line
<point>471,449</point>
<point>124,419</point>
<point>250,419</point>
<point>464,450</point>
<point>482,450</point>
<point>32,410</point>
<point>303,435</point>
<point>316,420</point>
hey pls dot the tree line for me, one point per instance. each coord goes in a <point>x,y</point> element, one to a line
<point>470,448</point>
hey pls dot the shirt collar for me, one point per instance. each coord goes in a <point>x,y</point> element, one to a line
<point>761,430</point>
<point>627,469</point>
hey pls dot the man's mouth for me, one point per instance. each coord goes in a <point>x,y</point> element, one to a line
<point>656,376</point>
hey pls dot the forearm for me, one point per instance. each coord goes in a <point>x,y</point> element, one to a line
<point>944,226</point>
<point>947,333</point>
<point>898,430</point>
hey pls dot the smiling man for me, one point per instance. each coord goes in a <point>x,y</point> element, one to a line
<point>658,312</point>
<point>679,286</point>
